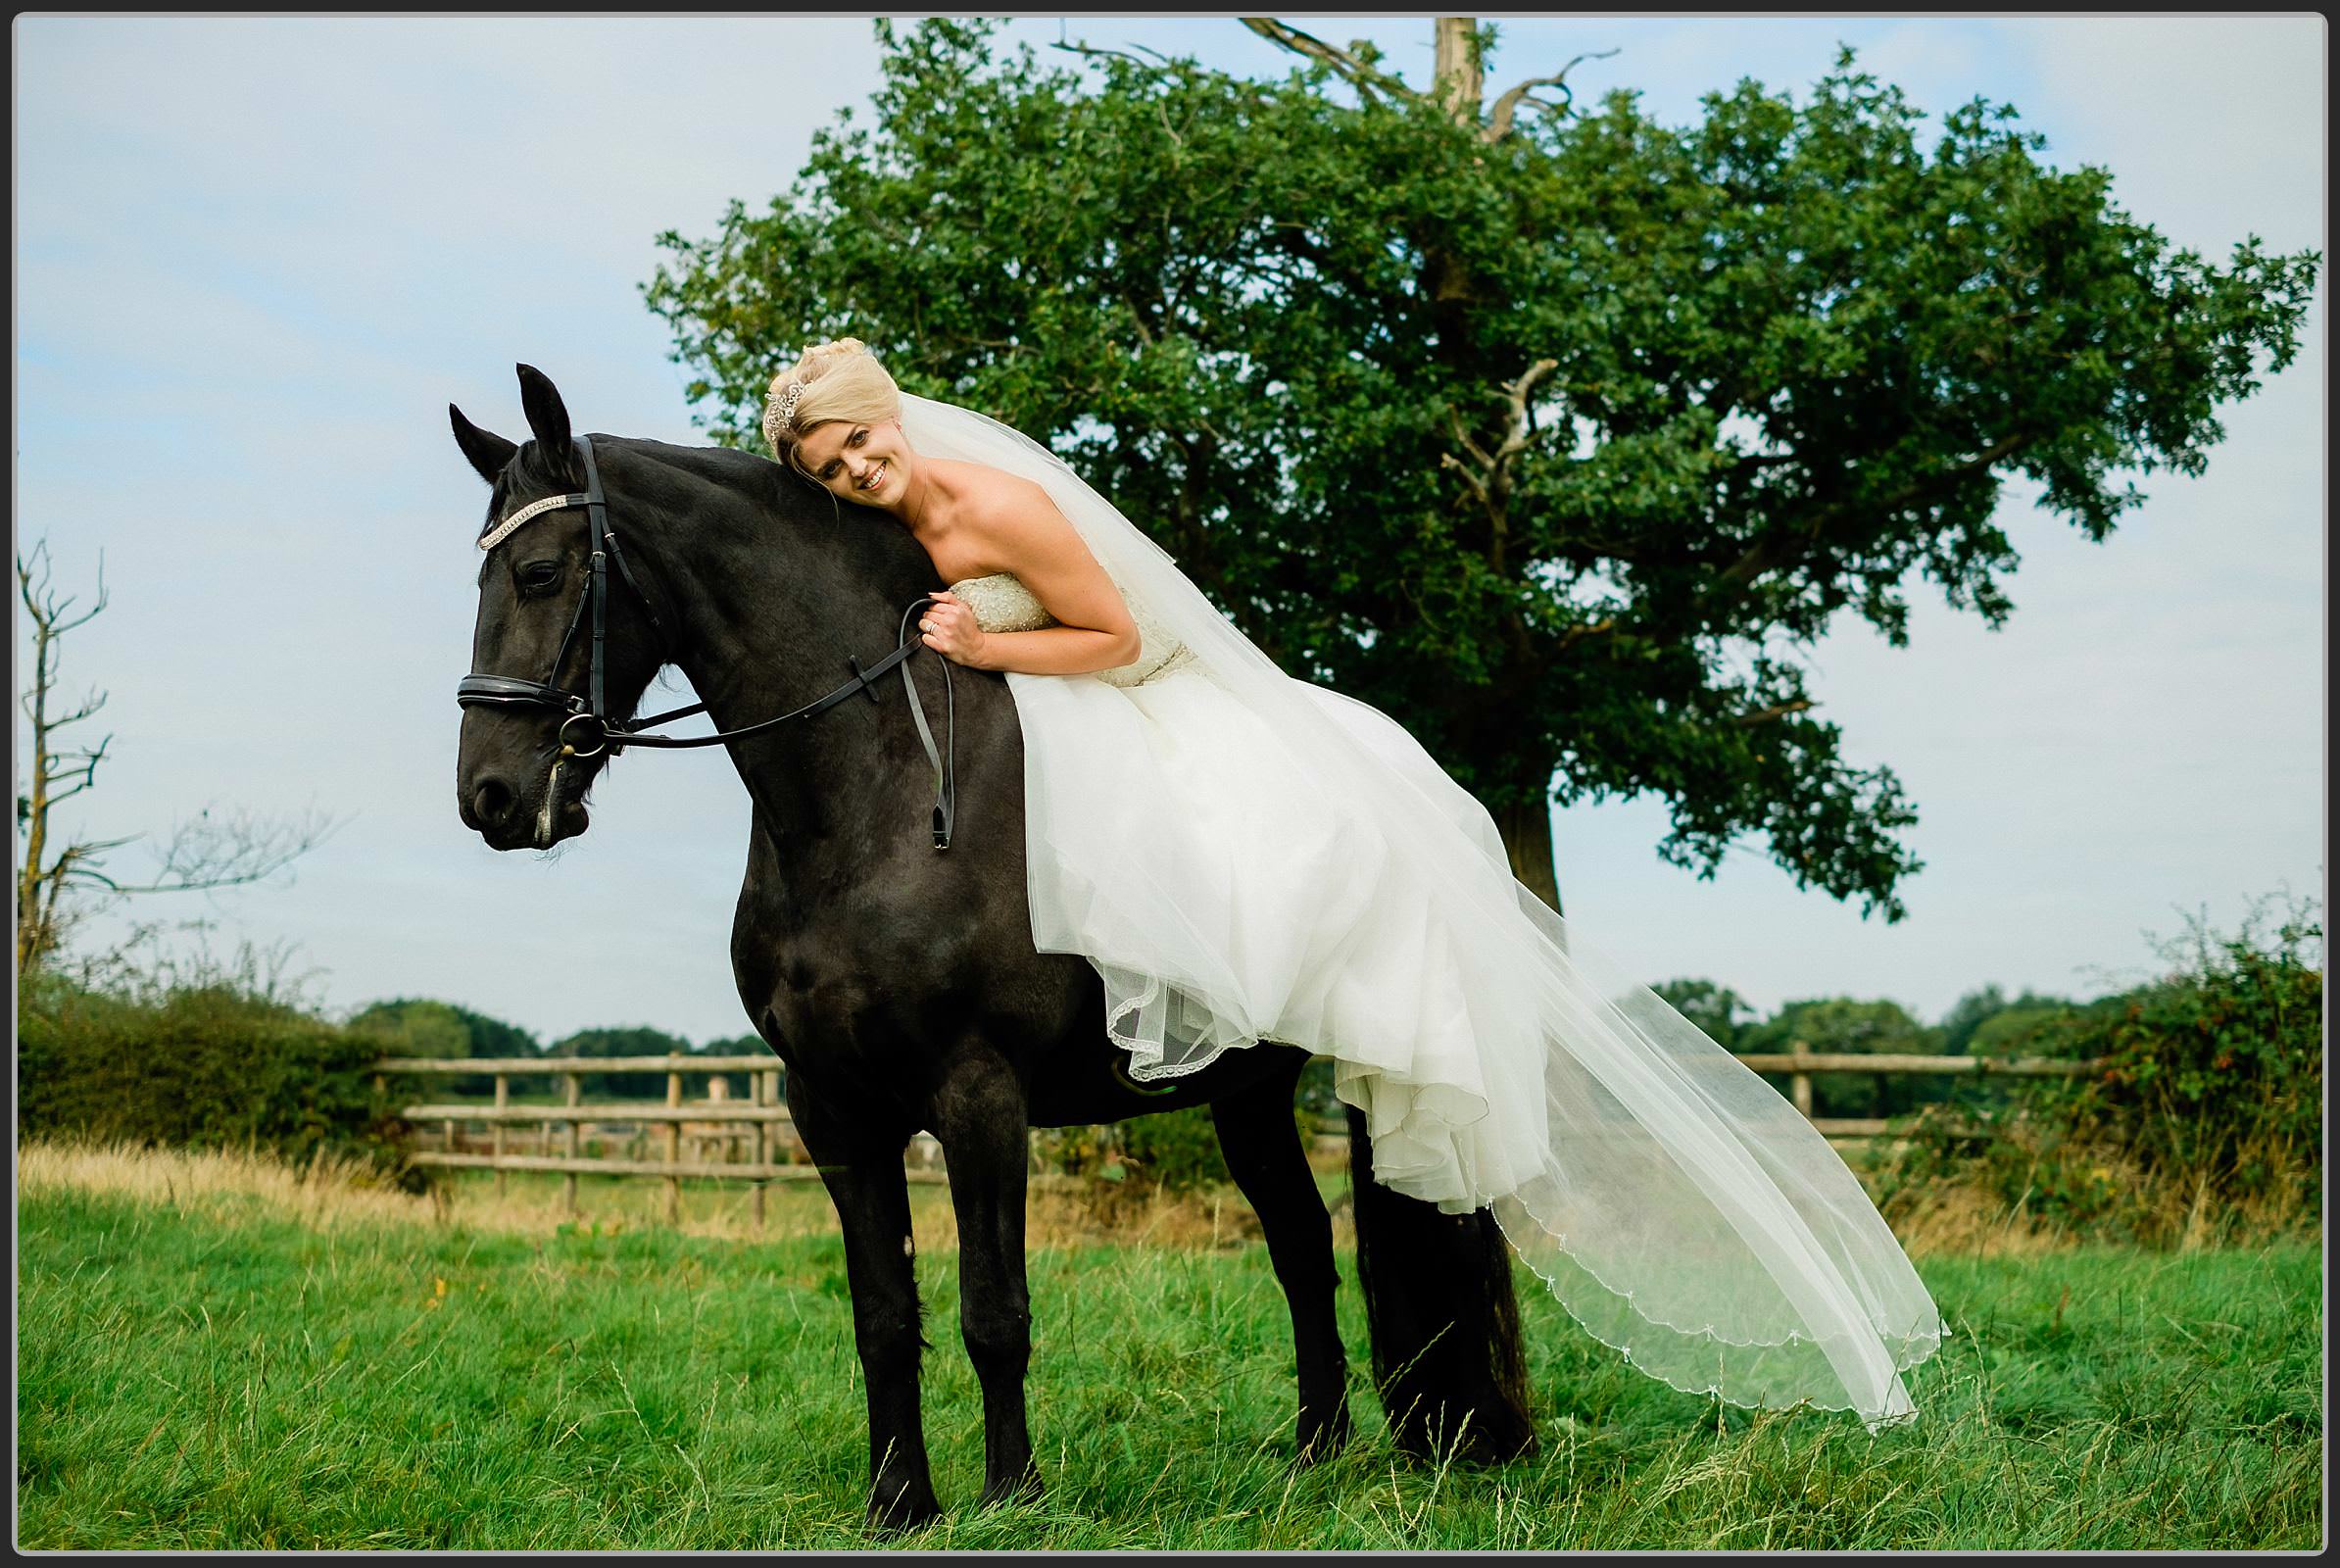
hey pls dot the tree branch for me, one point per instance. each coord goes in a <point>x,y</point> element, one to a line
<point>70,861</point>
<point>1478,453</point>
<point>1492,484</point>
<point>1447,460</point>
<point>1498,124</point>
<point>1112,54</point>
<point>1764,716</point>
<point>231,850</point>
<point>1517,434</point>
<point>48,613</point>
<point>90,706</point>
<point>1779,550</point>
<point>55,766</point>
<point>1355,71</point>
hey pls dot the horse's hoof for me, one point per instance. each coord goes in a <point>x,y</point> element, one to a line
<point>1494,1442</point>
<point>1499,1442</point>
<point>903,1511</point>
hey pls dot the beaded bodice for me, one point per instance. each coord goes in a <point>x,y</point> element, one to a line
<point>1001,603</point>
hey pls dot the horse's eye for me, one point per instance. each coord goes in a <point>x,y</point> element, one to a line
<point>539,576</point>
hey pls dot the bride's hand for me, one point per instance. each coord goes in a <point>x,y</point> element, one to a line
<point>948,627</point>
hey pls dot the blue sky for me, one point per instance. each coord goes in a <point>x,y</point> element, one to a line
<point>256,257</point>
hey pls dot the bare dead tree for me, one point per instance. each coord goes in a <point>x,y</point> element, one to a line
<point>217,847</point>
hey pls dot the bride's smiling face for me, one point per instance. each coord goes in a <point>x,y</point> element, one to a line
<point>869,465</point>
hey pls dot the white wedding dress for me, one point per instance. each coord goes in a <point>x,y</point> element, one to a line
<point>1247,856</point>
<point>1225,900</point>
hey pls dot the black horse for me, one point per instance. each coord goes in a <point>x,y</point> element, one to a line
<point>900,986</point>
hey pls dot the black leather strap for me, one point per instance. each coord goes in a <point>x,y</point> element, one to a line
<point>862,678</point>
<point>635,583</point>
<point>474,689</point>
<point>671,714</point>
<point>596,514</point>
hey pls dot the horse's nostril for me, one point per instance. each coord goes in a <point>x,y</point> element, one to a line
<point>490,802</point>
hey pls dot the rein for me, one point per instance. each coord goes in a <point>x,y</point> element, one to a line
<point>590,710</point>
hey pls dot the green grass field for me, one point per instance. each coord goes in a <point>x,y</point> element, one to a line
<point>206,1368</point>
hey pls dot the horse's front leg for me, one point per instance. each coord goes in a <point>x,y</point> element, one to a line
<point>862,1169</point>
<point>980,1120</point>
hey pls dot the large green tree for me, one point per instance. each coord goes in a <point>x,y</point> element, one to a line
<point>1555,434</point>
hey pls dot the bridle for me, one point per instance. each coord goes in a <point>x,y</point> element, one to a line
<point>587,729</point>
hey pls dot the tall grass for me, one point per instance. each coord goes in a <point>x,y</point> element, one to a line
<point>216,1357</point>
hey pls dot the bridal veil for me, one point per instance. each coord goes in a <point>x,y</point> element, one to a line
<point>1679,1208</point>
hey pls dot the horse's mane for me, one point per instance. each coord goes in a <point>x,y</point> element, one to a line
<point>800,507</point>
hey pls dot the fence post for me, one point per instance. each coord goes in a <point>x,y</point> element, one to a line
<point>577,1085</point>
<point>761,1095</point>
<point>1799,1085</point>
<point>502,1099</point>
<point>674,1150</point>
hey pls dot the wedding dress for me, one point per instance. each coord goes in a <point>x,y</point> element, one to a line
<point>1244,856</point>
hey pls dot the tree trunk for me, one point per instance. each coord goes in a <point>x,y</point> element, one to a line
<point>1457,68</point>
<point>34,938</point>
<point>1527,838</point>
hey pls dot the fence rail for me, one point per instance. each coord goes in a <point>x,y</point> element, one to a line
<point>775,1154</point>
<point>763,1117</point>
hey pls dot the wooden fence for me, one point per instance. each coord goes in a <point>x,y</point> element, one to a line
<point>1800,1065</point>
<point>774,1152</point>
<point>759,1131</point>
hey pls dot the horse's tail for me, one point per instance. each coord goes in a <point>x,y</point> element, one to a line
<point>1444,1317</point>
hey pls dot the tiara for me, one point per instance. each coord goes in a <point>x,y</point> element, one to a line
<point>779,409</point>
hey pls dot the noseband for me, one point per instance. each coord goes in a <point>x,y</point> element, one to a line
<point>587,729</point>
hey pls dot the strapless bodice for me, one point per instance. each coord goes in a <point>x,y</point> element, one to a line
<point>1001,603</point>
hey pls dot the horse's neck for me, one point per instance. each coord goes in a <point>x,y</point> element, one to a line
<point>767,614</point>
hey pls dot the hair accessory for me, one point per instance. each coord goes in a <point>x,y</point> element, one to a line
<point>779,409</point>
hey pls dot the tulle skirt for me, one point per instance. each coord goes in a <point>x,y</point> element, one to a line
<point>1226,899</point>
<point>1228,894</point>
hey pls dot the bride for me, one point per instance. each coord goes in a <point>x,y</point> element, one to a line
<point>1244,856</point>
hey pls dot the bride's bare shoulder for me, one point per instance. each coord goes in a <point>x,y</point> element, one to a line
<point>986,525</point>
<point>997,507</point>
<point>982,487</point>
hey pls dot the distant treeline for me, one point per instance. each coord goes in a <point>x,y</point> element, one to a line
<point>446,1031</point>
<point>1983,1022</point>
<point>1986,1021</point>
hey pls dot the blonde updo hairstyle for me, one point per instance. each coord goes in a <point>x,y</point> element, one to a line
<point>836,380</point>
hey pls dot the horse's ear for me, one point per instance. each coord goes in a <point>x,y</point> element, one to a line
<point>548,415</point>
<point>487,451</point>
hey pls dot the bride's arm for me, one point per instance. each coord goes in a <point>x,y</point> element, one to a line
<point>1020,528</point>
